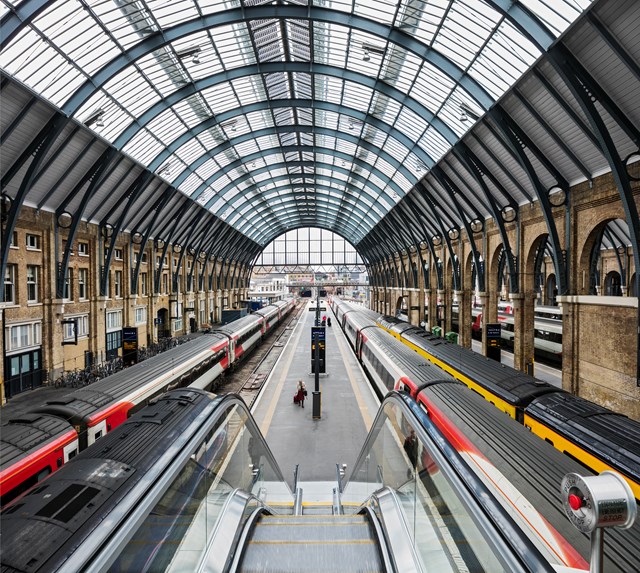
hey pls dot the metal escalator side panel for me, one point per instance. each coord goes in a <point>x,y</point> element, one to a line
<point>382,537</point>
<point>229,538</point>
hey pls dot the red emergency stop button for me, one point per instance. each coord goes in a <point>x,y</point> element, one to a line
<point>575,501</point>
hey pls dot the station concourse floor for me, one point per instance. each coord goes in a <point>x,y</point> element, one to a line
<point>348,408</point>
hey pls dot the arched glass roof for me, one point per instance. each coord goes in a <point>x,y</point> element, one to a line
<point>276,115</point>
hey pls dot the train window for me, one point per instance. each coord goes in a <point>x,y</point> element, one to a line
<point>59,462</point>
<point>548,441</point>
<point>98,435</point>
<point>73,454</point>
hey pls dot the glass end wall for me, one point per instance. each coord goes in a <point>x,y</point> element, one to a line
<point>449,527</point>
<point>230,457</point>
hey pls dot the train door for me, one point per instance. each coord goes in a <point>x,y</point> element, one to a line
<point>359,345</point>
<point>70,451</point>
<point>94,433</point>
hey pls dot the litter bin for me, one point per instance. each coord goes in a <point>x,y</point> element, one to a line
<point>452,337</point>
<point>436,331</point>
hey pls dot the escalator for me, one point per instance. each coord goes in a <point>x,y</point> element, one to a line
<point>312,543</point>
<point>218,503</point>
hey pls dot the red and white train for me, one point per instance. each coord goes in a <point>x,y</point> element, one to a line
<point>38,443</point>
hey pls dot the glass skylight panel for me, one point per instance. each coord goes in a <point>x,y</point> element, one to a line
<point>401,181</point>
<point>435,143</point>
<point>557,14</point>
<point>431,87</point>
<point>284,116</point>
<point>207,169</point>
<point>233,43</point>
<point>306,138</point>
<point>246,148</point>
<point>464,31</point>
<point>380,11</point>
<point>501,64</point>
<point>220,98</point>
<point>384,166</point>
<point>259,119</point>
<point>302,85</point>
<point>156,67</point>
<point>190,184</point>
<point>192,111</point>
<point>330,44</point>
<point>411,124</point>
<point>300,46</point>
<point>385,109</point>
<point>408,67</point>
<point>166,126</point>
<point>32,60</point>
<point>143,145</point>
<point>131,90</point>
<point>245,89</point>
<point>277,85</point>
<point>67,26</point>
<point>421,19</point>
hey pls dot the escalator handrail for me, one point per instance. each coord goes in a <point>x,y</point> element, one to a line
<point>385,553</point>
<point>515,549</point>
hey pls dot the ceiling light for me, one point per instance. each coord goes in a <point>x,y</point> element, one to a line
<point>366,57</point>
<point>196,58</point>
<point>463,115</point>
<point>96,118</point>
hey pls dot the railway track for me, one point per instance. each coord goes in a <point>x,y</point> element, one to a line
<point>249,376</point>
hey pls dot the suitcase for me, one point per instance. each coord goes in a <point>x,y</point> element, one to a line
<point>295,398</point>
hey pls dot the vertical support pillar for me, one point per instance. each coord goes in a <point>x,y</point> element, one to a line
<point>570,344</point>
<point>414,308</point>
<point>464,317</point>
<point>523,332</point>
<point>441,310</point>
<point>448,306</point>
<point>431,311</point>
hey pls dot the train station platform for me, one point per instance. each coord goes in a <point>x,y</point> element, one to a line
<point>348,407</point>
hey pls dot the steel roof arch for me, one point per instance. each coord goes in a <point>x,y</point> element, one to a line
<point>311,13</point>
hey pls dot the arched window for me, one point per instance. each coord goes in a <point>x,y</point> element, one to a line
<point>612,284</point>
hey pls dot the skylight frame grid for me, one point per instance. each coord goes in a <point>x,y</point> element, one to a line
<point>208,169</point>
<point>143,147</point>
<point>411,124</point>
<point>331,44</point>
<point>191,150</point>
<point>425,22</point>
<point>191,183</point>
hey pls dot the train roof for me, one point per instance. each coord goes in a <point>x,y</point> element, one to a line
<point>27,433</point>
<point>60,512</point>
<point>395,324</point>
<point>128,382</point>
<point>534,467</point>
<point>513,386</point>
<point>359,319</point>
<point>614,437</point>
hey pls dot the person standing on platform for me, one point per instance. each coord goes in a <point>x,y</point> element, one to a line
<point>301,393</point>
